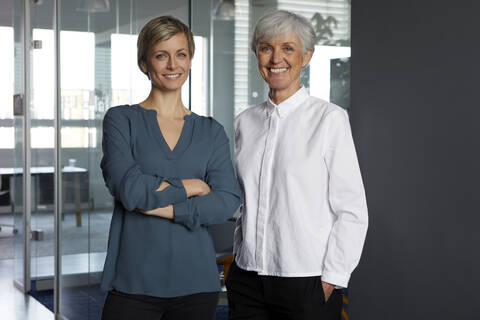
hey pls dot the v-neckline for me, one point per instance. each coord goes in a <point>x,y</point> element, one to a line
<point>184,139</point>
<point>163,136</point>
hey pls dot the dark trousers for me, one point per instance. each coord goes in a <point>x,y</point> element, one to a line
<point>255,297</point>
<point>122,306</point>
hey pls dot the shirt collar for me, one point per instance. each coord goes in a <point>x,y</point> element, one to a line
<point>286,107</point>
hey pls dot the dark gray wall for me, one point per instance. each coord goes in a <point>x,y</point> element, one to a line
<point>415,117</point>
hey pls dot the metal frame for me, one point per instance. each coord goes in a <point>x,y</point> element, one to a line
<point>190,23</point>
<point>57,165</point>
<point>27,190</point>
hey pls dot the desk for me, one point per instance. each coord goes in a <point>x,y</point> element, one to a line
<point>74,172</point>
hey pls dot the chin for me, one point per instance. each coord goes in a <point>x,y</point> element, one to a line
<point>278,86</point>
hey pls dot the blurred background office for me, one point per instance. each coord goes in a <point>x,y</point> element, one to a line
<point>63,63</point>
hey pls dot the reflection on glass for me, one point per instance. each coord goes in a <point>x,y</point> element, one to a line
<point>242,52</point>
<point>320,69</point>
<point>79,137</point>
<point>77,61</point>
<point>129,84</point>
<point>43,76</point>
<point>199,78</point>
<point>6,72</point>
<point>7,140</point>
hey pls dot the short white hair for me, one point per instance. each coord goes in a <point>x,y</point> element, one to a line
<point>279,22</point>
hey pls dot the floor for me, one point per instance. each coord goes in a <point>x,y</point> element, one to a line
<point>14,304</point>
<point>92,236</point>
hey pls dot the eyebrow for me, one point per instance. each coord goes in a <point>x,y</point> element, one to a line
<point>283,43</point>
<point>158,51</point>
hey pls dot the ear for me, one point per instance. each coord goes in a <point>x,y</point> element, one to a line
<point>307,57</point>
<point>143,66</point>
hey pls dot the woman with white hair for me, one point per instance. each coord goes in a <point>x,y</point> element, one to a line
<point>304,218</point>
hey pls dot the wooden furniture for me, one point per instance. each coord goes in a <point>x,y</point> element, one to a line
<point>71,181</point>
<point>226,263</point>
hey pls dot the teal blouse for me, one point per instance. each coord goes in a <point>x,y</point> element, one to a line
<point>150,255</point>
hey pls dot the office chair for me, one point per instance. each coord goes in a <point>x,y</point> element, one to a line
<point>222,236</point>
<point>5,198</point>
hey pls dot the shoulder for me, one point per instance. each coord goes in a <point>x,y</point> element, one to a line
<point>208,126</point>
<point>251,113</point>
<point>326,111</point>
<point>119,112</point>
<point>207,123</point>
<point>121,118</point>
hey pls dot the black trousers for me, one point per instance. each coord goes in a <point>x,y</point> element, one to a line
<point>255,297</point>
<point>123,306</point>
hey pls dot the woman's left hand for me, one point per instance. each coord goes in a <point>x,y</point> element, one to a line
<point>327,290</point>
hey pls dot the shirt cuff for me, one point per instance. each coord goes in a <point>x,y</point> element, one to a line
<point>180,213</point>
<point>340,281</point>
<point>176,182</point>
<point>175,192</point>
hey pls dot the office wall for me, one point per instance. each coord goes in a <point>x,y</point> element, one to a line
<point>415,114</point>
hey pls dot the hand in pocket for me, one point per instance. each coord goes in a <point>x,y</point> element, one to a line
<point>327,290</point>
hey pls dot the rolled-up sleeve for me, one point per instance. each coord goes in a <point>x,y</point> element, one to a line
<point>123,176</point>
<point>225,195</point>
<point>348,202</point>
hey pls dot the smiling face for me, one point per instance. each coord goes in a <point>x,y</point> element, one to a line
<point>280,61</point>
<point>168,63</point>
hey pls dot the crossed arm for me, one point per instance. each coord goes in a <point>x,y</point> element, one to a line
<point>191,202</point>
<point>193,188</point>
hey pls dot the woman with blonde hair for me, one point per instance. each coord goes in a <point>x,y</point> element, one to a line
<point>170,173</point>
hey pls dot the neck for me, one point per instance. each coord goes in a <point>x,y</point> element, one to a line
<point>279,95</point>
<point>168,104</point>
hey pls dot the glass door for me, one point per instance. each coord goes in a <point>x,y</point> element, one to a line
<point>41,109</point>
<point>98,70</point>
<point>18,114</point>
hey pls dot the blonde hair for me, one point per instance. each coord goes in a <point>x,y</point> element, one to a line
<point>161,29</point>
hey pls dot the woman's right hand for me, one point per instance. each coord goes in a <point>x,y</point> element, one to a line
<point>195,187</point>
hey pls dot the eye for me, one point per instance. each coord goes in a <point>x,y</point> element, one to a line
<point>265,49</point>
<point>289,49</point>
<point>182,55</point>
<point>160,56</point>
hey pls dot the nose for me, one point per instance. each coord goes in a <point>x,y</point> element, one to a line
<point>276,56</point>
<point>172,63</point>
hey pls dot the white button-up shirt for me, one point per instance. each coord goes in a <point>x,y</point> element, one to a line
<point>304,211</point>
